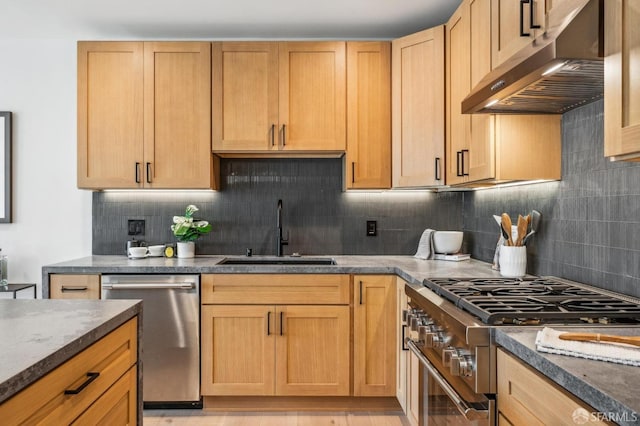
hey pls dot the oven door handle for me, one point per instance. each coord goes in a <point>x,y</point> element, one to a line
<point>463,406</point>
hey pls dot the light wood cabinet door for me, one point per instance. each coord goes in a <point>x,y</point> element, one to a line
<point>511,28</point>
<point>402,351</point>
<point>110,108</point>
<point>526,397</point>
<point>527,147</point>
<point>374,335</point>
<point>417,105</point>
<point>458,68</point>
<point>481,159</point>
<point>622,80</point>
<point>368,157</point>
<point>117,406</point>
<point>177,115</point>
<point>238,350</point>
<point>413,388</point>
<point>245,96</point>
<point>312,351</point>
<point>312,96</point>
<point>66,286</point>
<point>101,365</point>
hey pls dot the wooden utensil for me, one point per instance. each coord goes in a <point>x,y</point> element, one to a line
<point>522,229</point>
<point>506,229</point>
<point>597,337</point>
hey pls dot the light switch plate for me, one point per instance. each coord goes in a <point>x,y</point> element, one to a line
<point>372,228</point>
<point>136,226</point>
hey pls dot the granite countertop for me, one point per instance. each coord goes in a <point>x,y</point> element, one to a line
<point>39,335</point>
<point>611,389</point>
<point>409,268</point>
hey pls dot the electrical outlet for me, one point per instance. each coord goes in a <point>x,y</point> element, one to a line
<point>372,228</point>
<point>136,226</point>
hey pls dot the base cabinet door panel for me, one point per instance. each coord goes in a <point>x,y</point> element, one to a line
<point>312,350</point>
<point>374,336</point>
<point>527,397</point>
<point>238,347</point>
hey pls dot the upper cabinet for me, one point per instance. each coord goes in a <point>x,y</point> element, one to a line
<point>418,126</point>
<point>622,85</point>
<point>487,149</point>
<point>458,68</point>
<point>110,109</point>
<point>144,115</point>
<point>514,24</point>
<point>245,96</point>
<point>279,97</point>
<point>368,157</point>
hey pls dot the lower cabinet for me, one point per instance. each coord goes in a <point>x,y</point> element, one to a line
<point>261,347</point>
<point>374,335</point>
<point>74,286</point>
<point>96,386</point>
<point>408,365</point>
<point>527,397</point>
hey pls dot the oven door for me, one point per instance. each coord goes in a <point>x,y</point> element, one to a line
<point>443,405</point>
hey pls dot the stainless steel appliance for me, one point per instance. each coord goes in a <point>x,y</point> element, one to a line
<point>559,70</point>
<point>448,326</point>
<point>170,334</point>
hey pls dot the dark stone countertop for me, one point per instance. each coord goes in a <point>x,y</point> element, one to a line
<point>408,268</point>
<point>39,335</point>
<point>613,390</point>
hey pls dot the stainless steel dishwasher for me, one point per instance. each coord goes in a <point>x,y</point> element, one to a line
<point>170,335</point>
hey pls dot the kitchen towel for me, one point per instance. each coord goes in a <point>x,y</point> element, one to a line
<point>425,246</point>
<point>548,341</point>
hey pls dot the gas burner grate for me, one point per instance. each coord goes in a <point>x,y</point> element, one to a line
<point>531,300</point>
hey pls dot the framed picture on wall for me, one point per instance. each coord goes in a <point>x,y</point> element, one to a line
<point>5,165</point>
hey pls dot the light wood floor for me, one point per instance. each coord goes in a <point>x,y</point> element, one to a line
<point>292,418</point>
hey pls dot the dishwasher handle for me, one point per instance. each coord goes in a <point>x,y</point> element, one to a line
<point>150,286</point>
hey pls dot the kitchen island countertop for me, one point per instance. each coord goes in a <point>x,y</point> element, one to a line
<point>39,335</point>
<point>611,389</point>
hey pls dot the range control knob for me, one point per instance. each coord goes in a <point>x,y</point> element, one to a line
<point>441,339</point>
<point>447,353</point>
<point>462,364</point>
<point>423,332</point>
<point>431,339</point>
<point>418,320</point>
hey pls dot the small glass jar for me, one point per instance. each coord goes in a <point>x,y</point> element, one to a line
<point>3,271</point>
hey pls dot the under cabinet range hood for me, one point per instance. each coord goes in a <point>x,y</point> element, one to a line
<point>560,70</point>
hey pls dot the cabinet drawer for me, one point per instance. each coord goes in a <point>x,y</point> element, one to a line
<point>63,286</point>
<point>527,397</point>
<point>45,401</point>
<point>328,289</point>
<point>117,406</point>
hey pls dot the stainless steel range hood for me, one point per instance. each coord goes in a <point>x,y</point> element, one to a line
<point>560,70</point>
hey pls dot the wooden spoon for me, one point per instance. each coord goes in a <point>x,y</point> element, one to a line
<point>597,337</point>
<point>523,223</point>
<point>506,229</point>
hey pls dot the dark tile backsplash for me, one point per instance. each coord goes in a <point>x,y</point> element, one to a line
<point>590,228</point>
<point>317,215</point>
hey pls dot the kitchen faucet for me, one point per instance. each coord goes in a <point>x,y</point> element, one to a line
<point>281,241</point>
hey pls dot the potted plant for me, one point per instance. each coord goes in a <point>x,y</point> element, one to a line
<point>187,230</point>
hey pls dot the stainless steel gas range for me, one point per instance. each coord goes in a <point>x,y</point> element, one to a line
<point>448,324</point>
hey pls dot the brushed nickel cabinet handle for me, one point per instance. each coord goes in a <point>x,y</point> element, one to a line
<point>148,172</point>
<point>269,323</point>
<point>281,326</point>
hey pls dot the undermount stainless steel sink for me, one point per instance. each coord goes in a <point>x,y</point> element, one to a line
<point>277,261</point>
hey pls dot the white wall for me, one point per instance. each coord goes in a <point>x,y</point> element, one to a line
<point>51,217</point>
